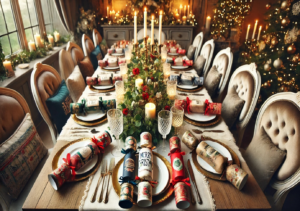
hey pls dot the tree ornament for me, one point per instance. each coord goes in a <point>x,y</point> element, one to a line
<point>291,35</point>
<point>268,6</point>
<point>268,40</point>
<point>291,49</point>
<point>274,41</point>
<point>283,88</point>
<point>261,46</point>
<point>267,67</point>
<point>284,5</point>
<point>277,63</point>
<point>296,8</point>
<point>285,22</point>
<point>296,59</point>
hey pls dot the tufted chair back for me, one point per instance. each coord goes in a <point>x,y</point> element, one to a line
<point>66,64</point>
<point>13,109</point>
<point>198,41</point>
<point>87,45</point>
<point>248,82</point>
<point>223,62</point>
<point>207,52</point>
<point>44,82</point>
<point>97,38</point>
<point>75,51</point>
<point>140,34</point>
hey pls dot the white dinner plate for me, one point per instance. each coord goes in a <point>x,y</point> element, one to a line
<point>92,116</point>
<point>180,67</point>
<point>187,86</point>
<point>103,87</point>
<point>72,149</point>
<point>160,174</point>
<point>173,54</point>
<point>111,68</point>
<point>117,54</point>
<point>200,117</point>
<point>222,150</point>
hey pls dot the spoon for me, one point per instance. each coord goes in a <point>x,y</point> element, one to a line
<point>93,131</point>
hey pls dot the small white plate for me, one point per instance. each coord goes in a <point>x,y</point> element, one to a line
<point>160,174</point>
<point>111,68</point>
<point>72,149</point>
<point>200,117</point>
<point>173,54</point>
<point>222,150</point>
<point>187,86</point>
<point>89,117</point>
<point>180,67</point>
<point>103,87</point>
<point>117,54</point>
<point>23,66</point>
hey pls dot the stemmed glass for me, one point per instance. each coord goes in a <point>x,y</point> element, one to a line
<point>115,122</point>
<point>164,126</point>
<point>177,117</point>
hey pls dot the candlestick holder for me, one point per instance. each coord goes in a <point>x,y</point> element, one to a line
<point>159,48</point>
<point>146,46</point>
<point>136,46</point>
<point>153,48</point>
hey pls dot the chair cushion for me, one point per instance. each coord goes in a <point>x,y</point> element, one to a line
<point>59,106</point>
<point>86,67</point>
<point>199,65</point>
<point>11,118</point>
<point>103,46</point>
<point>191,52</point>
<point>231,107</point>
<point>77,55</point>
<point>263,158</point>
<point>75,84</point>
<point>95,56</point>
<point>212,81</point>
<point>19,156</point>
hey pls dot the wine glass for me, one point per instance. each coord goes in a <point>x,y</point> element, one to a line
<point>164,126</point>
<point>115,122</point>
<point>177,117</point>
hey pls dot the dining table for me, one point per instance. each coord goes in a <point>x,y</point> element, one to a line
<point>216,195</point>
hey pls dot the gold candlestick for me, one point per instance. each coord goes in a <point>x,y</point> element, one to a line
<point>159,48</point>
<point>146,46</point>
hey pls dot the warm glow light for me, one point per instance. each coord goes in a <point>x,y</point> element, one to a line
<point>152,17</point>
<point>145,9</point>
<point>180,5</point>
<point>160,12</point>
<point>208,17</point>
<point>135,13</point>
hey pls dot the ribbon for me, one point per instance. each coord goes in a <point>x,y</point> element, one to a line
<point>182,153</point>
<point>188,104</point>
<point>123,151</point>
<point>99,144</point>
<point>68,161</point>
<point>150,147</point>
<point>123,180</point>
<point>186,181</point>
<point>152,182</point>
<point>206,107</point>
<point>106,63</point>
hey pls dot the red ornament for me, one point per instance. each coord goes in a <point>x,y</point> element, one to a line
<point>145,88</point>
<point>136,71</point>
<point>153,57</point>
<point>145,95</point>
<point>152,78</point>
<point>167,107</point>
<point>125,111</point>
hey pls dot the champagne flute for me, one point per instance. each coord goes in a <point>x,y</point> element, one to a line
<point>164,126</point>
<point>177,117</point>
<point>115,122</point>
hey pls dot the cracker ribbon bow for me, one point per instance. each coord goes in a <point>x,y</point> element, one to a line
<point>67,160</point>
<point>99,144</point>
<point>125,180</point>
<point>182,153</point>
<point>206,107</point>
<point>123,151</point>
<point>152,182</point>
<point>186,181</point>
<point>188,104</point>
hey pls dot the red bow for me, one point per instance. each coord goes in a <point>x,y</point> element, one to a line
<point>186,181</point>
<point>99,144</point>
<point>151,182</point>
<point>206,107</point>
<point>68,162</point>
<point>188,104</point>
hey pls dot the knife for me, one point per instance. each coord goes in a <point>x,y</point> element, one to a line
<point>200,131</point>
<point>190,189</point>
<point>190,94</point>
<point>111,168</point>
<point>103,169</point>
<point>103,174</point>
<point>190,170</point>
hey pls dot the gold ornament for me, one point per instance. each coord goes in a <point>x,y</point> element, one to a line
<point>291,49</point>
<point>267,67</point>
<point>283,88</point>
<point>268,40</point>
<point>284,5</point>
<point>268,6</point>
<point>296,59</point>
<point>274,41</point>
<point>277,63</point>
<point>261,46</point>
<point>285,22</point>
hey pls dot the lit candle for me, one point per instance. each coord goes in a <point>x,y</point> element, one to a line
<point>7,65</point>
<point>56,36</point>
<point>150,110</point>
<point>50,39</point>
<point>117,15</point>
<point>180,10</point>
<point>160,28</point>
<point>188,11</point>
<point>135,28</point>
<point>184,10</point>
<point>184,19</point>
<point>107,12</point>
<point>207,24</point>
<point>31,46</point>
<point>112,15</point>
<point>171,89</point>
<point>254,30</point>
<point>37,39</point>
<point>167,70</point>
<point>247,35</point>
<point>259,31</point>
<point>139,83</point>
<point>152,30</point>
<point>145,22</point>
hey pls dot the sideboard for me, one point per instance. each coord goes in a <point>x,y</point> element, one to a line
<point>183,34</point>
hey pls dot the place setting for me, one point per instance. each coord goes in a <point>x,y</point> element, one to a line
<point>103,83</point>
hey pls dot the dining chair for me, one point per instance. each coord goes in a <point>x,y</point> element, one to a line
<point>197,43</point>
<point>247,81</point>
<point>140,34</point>
<point>44,82</point>
<point>66,64</point>
<point>279,119</point>
<point>223,62</point>
<point>75,51</point>
<point>207,52</point>
<point>87,45</point>
<point>97,38</point>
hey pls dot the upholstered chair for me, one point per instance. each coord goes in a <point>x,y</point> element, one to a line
<point>66,64</point>
<point>223,62</point>
<point>44,82</point>
<point>197,43</point>
<point>247,81</point>
<point>207,52</point>
<point>279,119</point>
<point>75,51</point>
<point>97,38</point>
<point>87,45</point>
<point>140,34</point>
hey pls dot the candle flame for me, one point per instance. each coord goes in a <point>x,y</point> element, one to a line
<point>208,17</point>
<point>152,17</point>
<point>160,12</point>
<point>145,9</point>
<point>180,5</point>
<point>260,27</point>
<point>256,21</point>
<point>249,26</point>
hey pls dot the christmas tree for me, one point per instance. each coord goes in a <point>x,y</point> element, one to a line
<point>229,14</point>
<point>276,54</point>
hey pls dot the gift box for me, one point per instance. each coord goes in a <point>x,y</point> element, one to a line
<point>112,62</point>
<point>177,164</point>
<point>182,195</point>
<point>91,80</point>
<point>144,194</point>
<point>145,171</point>
<point>175,145</point>
<point>190,140</point>
<point>237,176</point>
<point>212,108</point>
<point>129,167</point>
<point>126,196</point>
<point>146,139</point>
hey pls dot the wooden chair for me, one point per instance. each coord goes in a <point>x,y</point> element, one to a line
<point>140,34</point>
<point>198,41</point>
<point>66,64</point>
<point>87,45</point>
<point>248,82</point>
<point>97,38</point>
<point>279,118</point>
<point>44,82</point>
<point>207,52</point>
<point>75,51</point>
<point>223,62</point>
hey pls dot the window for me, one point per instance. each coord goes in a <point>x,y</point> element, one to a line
<point>8,32</point>
<point>47,8</point>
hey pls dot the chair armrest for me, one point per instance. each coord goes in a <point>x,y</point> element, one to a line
<point>5,199</point>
